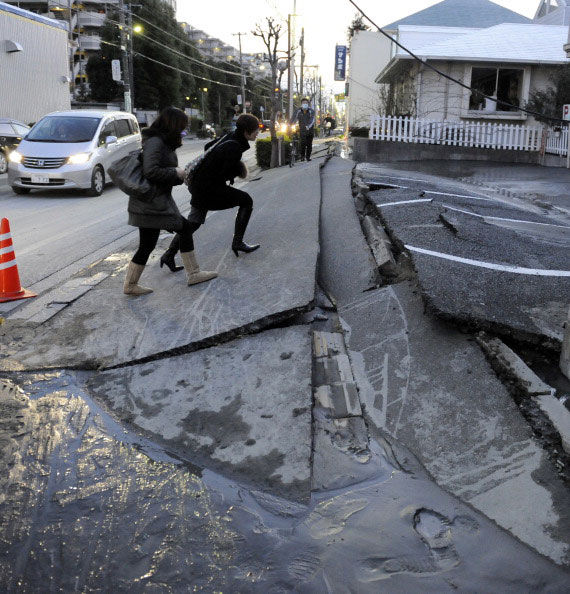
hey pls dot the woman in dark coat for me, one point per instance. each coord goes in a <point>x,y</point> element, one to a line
<point>210,190</point>
<point>160,166</point>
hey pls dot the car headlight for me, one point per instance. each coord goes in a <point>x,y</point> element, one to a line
<point>15,157</point>
<point>79,158</point>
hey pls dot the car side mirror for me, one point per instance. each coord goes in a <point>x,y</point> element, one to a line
<point>110,140</point>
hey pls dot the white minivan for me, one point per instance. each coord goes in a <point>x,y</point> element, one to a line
<point>72,149</point>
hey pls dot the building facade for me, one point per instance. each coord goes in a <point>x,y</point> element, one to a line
<point>371,51</point>
<point>215,49</point>
<point>32,81</point>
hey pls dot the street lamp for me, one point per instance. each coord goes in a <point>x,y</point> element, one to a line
<point>134,29</point>
<point>204,90</point>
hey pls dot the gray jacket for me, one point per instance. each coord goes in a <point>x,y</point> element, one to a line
<point>159,166</point>
<point>306,120</point>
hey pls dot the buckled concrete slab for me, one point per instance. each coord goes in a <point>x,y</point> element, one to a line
<point>431,387</point>
<point>243,408</point>
<point>105,328</point>
<point>475,274</point>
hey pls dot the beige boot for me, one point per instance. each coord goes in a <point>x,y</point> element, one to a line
<point>131,287</point>
<point>195,275</point>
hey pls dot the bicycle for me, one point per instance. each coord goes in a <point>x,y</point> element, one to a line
<point>293,153</point>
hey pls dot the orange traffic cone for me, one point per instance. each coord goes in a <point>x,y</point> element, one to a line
<point>10,288</point>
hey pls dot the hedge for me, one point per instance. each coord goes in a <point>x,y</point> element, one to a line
<point>263,151</point>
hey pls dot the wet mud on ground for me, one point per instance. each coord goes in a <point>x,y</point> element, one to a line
<point>88,506</point>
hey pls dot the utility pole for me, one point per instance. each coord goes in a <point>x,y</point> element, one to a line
<point>291,55</point>
<point>131,69</point>
<point>242,73</point>
<point>124,58</point>
<point>302,44</point>
<point>71,60</point>
<point>320,98</point>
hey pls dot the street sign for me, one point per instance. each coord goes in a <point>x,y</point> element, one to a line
<point>340,62</point>
<point>261,108</point>
<point>239,99</point>
<point>566,112</point>
<point>116,69</point>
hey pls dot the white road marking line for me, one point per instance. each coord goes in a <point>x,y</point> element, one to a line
<point>460,196</point>
<point>473,214</point>
<point>490,265</point>
<point>405,202</point>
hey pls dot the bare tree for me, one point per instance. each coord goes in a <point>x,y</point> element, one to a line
<point>270,38</point>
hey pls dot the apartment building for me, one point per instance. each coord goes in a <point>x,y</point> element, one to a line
<point>216,49</point>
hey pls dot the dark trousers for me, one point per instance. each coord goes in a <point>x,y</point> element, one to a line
<point>221,198</point>
<point>148,239</point>
<point>306,147</point>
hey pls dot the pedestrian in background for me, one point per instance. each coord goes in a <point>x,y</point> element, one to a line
<point>210,190</point>
<point>160,167</point>
<point>306,118</point>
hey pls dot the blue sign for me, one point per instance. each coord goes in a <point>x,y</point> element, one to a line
<point>340,62</point>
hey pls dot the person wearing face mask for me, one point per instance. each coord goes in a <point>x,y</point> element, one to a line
<point>306,118</point>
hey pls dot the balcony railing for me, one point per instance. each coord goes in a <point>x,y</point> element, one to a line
<point>92,19</point>
<point>89,42</point>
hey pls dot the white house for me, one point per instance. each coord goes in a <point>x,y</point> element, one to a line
<point>506,62</point>
<point>370,51</point>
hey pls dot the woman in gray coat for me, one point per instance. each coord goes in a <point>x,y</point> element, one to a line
<point>160,166</point>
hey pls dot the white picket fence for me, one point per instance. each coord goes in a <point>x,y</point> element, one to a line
<point>557,141</point>
<point>469,134</point>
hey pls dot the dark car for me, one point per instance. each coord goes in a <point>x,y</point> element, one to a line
<point>11,133</point>
<point>264,125</point>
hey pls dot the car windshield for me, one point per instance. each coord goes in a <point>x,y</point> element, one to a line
<point>64,129</point>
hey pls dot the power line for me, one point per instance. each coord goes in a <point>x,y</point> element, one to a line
<point>447,76</point>
<point>263,84</point>
<point>184,41</point>
<point>138,54</point>
<point>216,82</point>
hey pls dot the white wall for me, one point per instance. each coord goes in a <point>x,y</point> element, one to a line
<point>31,80</point>
<point>431,101</point>
<point>369,54</point>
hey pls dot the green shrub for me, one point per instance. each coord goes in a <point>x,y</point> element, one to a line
<point>263,151</point>
<point>360,131</point>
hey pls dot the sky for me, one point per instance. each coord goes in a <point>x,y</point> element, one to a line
<point>325,22</point>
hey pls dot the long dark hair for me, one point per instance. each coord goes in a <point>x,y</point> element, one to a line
<point>170,122</point>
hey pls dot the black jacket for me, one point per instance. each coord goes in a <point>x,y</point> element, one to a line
<point>221,165</point>
<point>159,166</point>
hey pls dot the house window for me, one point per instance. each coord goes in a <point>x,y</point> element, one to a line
<point>503,84</point>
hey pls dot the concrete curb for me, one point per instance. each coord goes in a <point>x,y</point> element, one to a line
<point>512,367</point>
<point>565,354</point>
<point>380,245</point>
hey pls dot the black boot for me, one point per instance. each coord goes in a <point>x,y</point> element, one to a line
<point>168,259</point>
<point>238,245</point>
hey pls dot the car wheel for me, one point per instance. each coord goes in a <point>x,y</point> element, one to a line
<point>3,162</point>
<point>18,190</point>
<point>97,181</point>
